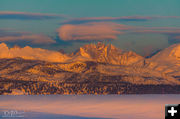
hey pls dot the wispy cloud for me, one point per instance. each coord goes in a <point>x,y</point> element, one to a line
<point>105,19</point>
<point>33,39</point>
<point>29,16</point>
<point>11,32</point>
<point>168,31</point>
<point>25,37</point>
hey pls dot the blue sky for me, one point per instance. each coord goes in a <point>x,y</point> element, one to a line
<point>91,8</point>
<point>143,26</point>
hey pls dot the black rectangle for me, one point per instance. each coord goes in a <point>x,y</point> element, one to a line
<point>172,111</point>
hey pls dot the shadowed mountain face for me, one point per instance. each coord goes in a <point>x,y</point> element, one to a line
<point>94,69</point>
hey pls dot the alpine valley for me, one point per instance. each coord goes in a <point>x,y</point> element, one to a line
<point>93,69</point>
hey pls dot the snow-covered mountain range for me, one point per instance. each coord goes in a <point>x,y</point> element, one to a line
<point>92,65</point>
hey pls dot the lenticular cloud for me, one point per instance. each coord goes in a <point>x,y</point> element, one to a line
<point>91,31</point>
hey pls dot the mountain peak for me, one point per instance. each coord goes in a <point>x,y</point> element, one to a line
<point>171,53</point>
<point>94,50</point>
<point>3,45</point>
<point>175,52</point>
<point>167,61</point>
<point>100,44</point>
<point>106,54</point>
<point>31,53</point>
<point>16,47</point>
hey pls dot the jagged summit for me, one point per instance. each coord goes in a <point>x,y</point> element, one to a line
<point>106,54</point>
<point>97,49</point>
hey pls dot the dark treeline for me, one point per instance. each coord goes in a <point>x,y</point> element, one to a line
<point>46,88</point>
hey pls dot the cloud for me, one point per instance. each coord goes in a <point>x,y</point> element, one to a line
<point>168,31</point>
<point>91,31</point>
<point>11,32</point>
<point>106,19</point>
<point>173,33</point>
<point>33,39</point>
<point>9,36</point>
<point>28,16</point>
